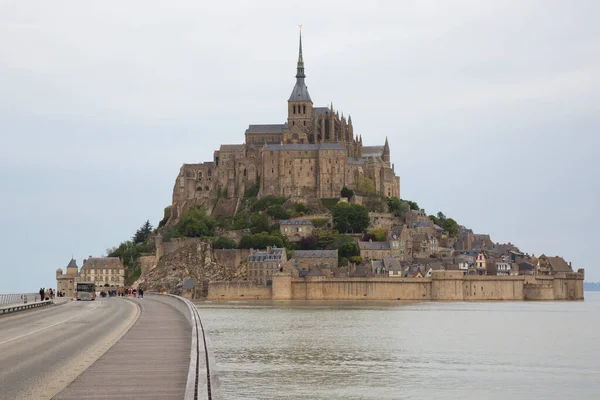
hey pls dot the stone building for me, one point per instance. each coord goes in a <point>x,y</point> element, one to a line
<point>313,154</point>
<point>65,282</point>
<point>105,272</point>
<point>309,259</point>
<point>374,250</point>
<point>263,263</point>
<point>295,229</point>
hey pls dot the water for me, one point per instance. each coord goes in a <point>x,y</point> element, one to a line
<point>394,350</point>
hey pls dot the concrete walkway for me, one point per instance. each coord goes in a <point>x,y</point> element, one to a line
<point>150,362</point>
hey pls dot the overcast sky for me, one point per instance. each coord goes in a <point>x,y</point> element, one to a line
<point>492,110</point>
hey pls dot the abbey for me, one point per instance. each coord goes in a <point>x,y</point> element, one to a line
<point>312,155</point>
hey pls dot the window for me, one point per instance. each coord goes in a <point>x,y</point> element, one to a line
<point>294,109</point>
<point>304,110</point>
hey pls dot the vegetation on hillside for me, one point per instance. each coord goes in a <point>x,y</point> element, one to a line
<point>130,250</point>
<point>350,217</point>
<point>448,224</point>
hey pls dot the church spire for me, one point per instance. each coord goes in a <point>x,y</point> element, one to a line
<point>300,91</point>
<point>300,66</point>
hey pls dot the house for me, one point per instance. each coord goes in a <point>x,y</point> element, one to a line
<point>434,266</point>
<point>551,265</point>
<point>525,267</point>
<point>399,239</point>
<point>263,263</point>
<point>307,259</point>
<point>374,250</point>
<point>503,268</point>
<point>108,272</point>
<point>295,229</point>
<point>481,263</point>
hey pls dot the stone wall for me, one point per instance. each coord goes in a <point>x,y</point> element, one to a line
<point>442,286</point>
<point>240,290</point>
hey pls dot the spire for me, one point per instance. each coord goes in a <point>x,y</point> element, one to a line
<point>300,66</point>
<point>300,91</point>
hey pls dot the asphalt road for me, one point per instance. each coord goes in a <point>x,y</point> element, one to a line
<point>43,350</point>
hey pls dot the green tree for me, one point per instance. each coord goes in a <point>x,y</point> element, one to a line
<point>413,205</point>
<point>365,186</point>
<point>352,217</point>
<point>195,223</point>
<point>450,226</point>
<point>348,250</point>
<point>398,207</point>
<point>166,216</point>
<point>348,193</point>
<point>356,259</point>
<point>379,233</point>
<point>259,223</point>
<point>142,234</point>
<point>277,211</point>
<point>223,242</point>
<point>261,241</point>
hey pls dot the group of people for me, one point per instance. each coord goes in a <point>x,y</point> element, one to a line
<point>47,294</point>
<point>139,292</point>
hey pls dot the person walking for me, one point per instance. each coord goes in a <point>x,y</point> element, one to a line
<point>141,293</point>
<point>41,294</point>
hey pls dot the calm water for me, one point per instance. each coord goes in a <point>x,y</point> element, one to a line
<point>394,350</point>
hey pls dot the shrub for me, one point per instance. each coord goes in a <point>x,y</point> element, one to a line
<point>350,217</point>
<point>379,234</point>
<point>319,222</point>
<point>356,259</point>
<point>195,223</point>
<point>329,203</point>
<point>223,242</point>
<point>348,193</point>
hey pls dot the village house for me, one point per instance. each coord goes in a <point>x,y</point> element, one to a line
<point>65,283</point>
<point>108,272</point>
<point>551,265</point>
<point>374,250</point>
<point>295,229</point>
<point>399,239</point>
<point>263,263</point>
<point>308,259</point>
<point>481,263</point>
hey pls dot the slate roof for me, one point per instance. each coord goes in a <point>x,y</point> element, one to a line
<point>102,262</point>
<point>391,262</point>
<point>72,264</point>
<point>395,232</point>
<point>559,264</point>
<point>295,222</point>
<point>258,256</point>
<point>356,161</point>
<point>421,224</point>
<point>300,91</point>
<point>374,245</point>
<point>315,253</point>
<point>323,146</point>
<point>315,272</point>
<point>266,128</point>
<point>370,151</point>
<point>231,147</point>
<point>320,110</point>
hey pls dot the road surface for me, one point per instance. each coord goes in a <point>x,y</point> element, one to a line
<point>43,350</point>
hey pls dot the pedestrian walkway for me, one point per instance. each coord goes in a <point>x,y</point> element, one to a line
<point>150,362</point>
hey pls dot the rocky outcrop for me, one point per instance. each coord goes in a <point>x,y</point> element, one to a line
<point>196,260</point>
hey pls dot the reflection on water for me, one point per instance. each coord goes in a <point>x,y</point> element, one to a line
<point>394,350</point>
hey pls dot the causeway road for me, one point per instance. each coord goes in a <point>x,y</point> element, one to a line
<point>43,350</point>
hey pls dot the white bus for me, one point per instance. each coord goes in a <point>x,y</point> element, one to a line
<point>86,291</point>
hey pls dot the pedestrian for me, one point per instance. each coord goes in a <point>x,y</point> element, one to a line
<point>141,292</point>
<point>41,294</point>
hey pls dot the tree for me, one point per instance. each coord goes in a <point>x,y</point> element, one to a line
<point>379,233</point>
<point>261,240</point>
<point>413,205</point>
<point>352,217</point>
<point>277,211</point>
<point>308,243</point>
<point>450,226</point>
<point>260,223</point>
<point>348,193</point>
<point>142,234</point>
<point>441,217</point>
<point>398,207</point>
<point>223,242</point>
<point>365,186</point>
<point>195,223</point>
<point>348,250</point>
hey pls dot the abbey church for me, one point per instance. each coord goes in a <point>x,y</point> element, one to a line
<point>313,155</point>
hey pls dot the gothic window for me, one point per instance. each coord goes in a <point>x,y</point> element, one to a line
<point>294,109</point>
<point>304,110</point>
<point>304,123</point>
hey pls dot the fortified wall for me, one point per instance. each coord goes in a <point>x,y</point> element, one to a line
<point>442,286</point>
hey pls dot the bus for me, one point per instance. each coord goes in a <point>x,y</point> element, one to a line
<point>86,291</point>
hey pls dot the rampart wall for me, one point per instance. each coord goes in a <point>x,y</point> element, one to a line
<point>442,286</point>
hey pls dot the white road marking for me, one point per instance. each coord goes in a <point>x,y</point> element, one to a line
<point>50,326</point>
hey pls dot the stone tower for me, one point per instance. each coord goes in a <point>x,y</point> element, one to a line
<point>300,104</point>
<point>386,152</point>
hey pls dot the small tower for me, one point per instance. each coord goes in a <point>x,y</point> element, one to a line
<point>386,151</point>
<point>299,103</point>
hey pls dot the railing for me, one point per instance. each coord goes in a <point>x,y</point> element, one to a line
<point>7,309</point>
<point>18,298</point>
<point>202,381</point>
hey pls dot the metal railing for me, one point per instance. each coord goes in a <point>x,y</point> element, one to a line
<point>202,381</point>
<point>15,307</point>
<point>18,298</point>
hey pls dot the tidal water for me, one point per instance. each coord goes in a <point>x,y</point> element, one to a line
<point>397,350</point>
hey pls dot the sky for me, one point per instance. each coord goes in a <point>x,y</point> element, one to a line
<point>491,108</point>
